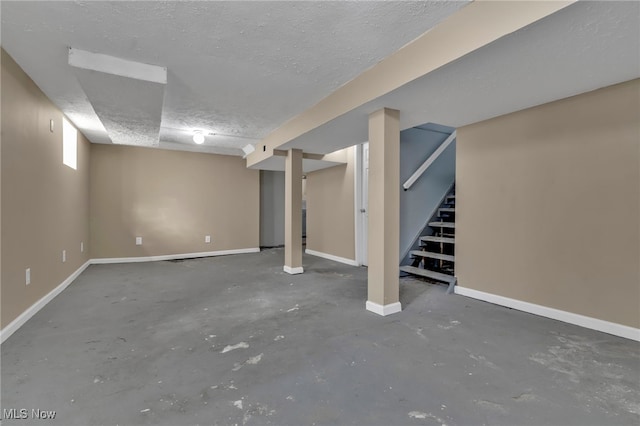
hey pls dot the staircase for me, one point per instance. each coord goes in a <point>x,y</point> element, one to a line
<point>435,258</point>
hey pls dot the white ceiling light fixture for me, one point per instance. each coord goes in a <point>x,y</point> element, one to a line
<point>198,137</point>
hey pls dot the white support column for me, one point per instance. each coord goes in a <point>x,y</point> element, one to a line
<point>384,212</point>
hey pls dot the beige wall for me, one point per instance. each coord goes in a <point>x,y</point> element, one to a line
<point>172,200</point>
<point>330,209</point>
<point>548,207</point>
<point>45,204</point>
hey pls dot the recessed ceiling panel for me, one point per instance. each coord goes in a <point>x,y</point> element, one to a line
<point>238,68</point>
<point>130,109</point>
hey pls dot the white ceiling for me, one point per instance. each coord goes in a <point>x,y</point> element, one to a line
<point>235,70</point>
<point>583,47</point>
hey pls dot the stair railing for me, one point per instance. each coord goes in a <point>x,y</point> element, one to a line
<point>433,157</point>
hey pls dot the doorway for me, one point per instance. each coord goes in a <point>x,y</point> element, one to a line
<point>361,182</point>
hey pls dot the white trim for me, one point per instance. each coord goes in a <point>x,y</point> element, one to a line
<point>385,310</point>
<point>357,188</point>
<point>293,271</point>
<point>173,256</point>
<point>556,314</point>
<point>33,309</point>
<point>332,257</point>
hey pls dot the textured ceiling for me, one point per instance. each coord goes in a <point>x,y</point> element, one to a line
<point>236,70</point>
<point>583,47</point>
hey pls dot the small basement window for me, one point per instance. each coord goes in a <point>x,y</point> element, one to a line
<point>69,145</point>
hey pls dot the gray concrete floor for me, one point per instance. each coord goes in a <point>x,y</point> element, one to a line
<point>234,340</point>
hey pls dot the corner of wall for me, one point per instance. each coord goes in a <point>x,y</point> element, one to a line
<point>331,210</point>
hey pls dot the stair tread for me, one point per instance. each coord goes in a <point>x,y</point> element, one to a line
<point>447,209</point>
<point>435,239</point>
<point>433,255</point>
<point>443,224</point>
<point>427,273</point>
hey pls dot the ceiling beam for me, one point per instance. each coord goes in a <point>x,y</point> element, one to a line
<point>474,26</point>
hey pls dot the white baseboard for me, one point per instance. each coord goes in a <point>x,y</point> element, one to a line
<point>332,257</point>
<point>385,310</point>
<point>173,256</point>
<point>293,271</point>
<point>33,309</point>
<point>556,314</point>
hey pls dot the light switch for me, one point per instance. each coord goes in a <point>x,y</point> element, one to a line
<point>27,276</point>
<point>207,238</point>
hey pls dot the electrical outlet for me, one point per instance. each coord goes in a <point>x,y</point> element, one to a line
<point>82,247</point>
<point>64,256</point>
<point>138,241</point>
<point>27,276</point>
<point>207,239</point>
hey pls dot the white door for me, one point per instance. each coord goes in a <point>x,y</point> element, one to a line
<point>364,206</point>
